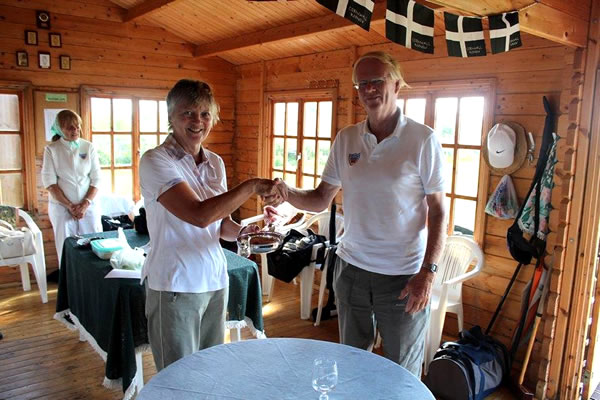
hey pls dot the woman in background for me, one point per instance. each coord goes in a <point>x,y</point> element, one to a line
<point>71,173</point>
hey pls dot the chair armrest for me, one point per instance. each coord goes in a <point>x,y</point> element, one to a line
<point>463,277</point>
<point>30,223</point>
<point>251,220</point>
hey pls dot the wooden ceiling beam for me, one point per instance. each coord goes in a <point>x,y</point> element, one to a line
<point>543,18</point>
<point>290,31</point>
<point>145,8</point>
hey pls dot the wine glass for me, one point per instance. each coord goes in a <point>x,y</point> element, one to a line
<point>324,376</point>
<point>243,244</point>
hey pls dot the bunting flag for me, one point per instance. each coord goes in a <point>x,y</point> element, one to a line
<point>410,24</point>
<point>464,36</point>
<point>505,33</point>
<point>357,11</point>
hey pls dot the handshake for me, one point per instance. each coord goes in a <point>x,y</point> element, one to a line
<point>273,192</point>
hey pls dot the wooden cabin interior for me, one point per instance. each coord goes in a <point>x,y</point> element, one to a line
<point>280,67</point>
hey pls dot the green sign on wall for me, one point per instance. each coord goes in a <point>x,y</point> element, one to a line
<point>56,97</point>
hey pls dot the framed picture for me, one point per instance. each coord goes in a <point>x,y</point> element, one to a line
<point>22,59</point>
<point>54,40</point>
<point>65,62</point>
<point>31,38</point>
<point>44,60</point>
<point>42,19</point>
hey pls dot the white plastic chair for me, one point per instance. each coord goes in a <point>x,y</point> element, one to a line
<point>321,223</point>
<point>37,261</point>
<point>459,254</point>
<point>307,275</point>
<point>113,205</point>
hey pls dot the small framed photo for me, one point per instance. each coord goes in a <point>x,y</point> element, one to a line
<point>22,59</point>
<point>44,60</point>
<point>55,40</point>
<point>31,38</point>
<point>65,62</point>
<point>42,19</point>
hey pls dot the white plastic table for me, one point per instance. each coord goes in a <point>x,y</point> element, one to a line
<point>281,369</point>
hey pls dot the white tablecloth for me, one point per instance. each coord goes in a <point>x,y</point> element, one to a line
<point>281,369</point>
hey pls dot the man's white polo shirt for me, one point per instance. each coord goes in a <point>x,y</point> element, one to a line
<point>384,186</point>
<point>183,257</point>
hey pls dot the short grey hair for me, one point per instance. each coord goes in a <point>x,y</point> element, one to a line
<point>385,58</point>
<point>192,92</point>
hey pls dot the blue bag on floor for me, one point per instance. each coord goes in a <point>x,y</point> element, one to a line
<point>469,369</point>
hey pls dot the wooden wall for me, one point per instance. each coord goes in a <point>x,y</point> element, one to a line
<point>523,76</point>
<point>105,52</point>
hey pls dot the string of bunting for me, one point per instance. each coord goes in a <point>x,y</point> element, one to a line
<point>410,24</point>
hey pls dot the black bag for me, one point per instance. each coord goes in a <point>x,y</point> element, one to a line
<point>521,249</point>
<point>294,254</point>
<point>139,222</point>
<point>114,223</point>
<point>469,369</point>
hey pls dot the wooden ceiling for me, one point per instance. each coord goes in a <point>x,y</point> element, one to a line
<point>243,32</point>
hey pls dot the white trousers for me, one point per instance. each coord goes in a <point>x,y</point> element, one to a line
<point>64,225</point>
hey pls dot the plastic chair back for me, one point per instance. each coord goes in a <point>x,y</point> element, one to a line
<point>321,222</point>
<point>37,260</point>
<point>459,254</point>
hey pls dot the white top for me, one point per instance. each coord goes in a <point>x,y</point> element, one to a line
<point>384,187</point>
<point>183,257</point>
<point>73,169</point>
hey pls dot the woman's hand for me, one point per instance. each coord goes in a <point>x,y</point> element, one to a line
<point>271,214</point>
<point>249,229</point>
<point>78,210</point>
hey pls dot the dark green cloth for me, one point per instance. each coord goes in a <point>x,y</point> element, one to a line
<point>112,310</point>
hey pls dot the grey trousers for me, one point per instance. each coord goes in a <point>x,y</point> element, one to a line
<point>366,300</point>
<point>180,324</point>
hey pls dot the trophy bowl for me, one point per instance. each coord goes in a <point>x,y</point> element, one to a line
<point>261,242</point>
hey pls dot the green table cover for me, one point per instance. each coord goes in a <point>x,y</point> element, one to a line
<point>111,311</point>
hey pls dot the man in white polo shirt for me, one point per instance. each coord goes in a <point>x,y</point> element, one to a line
<point>390,170</point>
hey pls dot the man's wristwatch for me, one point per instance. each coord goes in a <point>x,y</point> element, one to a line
<point>430,266</point>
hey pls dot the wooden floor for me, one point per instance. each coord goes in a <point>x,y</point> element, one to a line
<point>41,359</point>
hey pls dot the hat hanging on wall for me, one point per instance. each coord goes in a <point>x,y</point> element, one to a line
<point>505,147</point>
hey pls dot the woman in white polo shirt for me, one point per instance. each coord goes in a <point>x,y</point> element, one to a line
<point>188,210</point>
<point>71,173</point>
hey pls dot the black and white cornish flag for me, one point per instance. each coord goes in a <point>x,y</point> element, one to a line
<point>464,36</point>
<point>410,24</point>
<point>505,33</point>
<point>357,11</point>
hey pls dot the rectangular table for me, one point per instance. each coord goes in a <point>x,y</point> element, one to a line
<point>109,313</point>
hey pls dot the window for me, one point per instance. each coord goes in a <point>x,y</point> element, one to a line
<point>459,117</point>
<point>121,127</point>
<point>301,135</point>
<point>12,170</point>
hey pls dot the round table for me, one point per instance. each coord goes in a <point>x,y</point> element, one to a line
<point>281,369</point>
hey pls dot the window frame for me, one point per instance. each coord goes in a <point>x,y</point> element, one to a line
<point>301,96</point>
<point>135,94</point>
<point>475,87</point>
<point>24,91</point>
